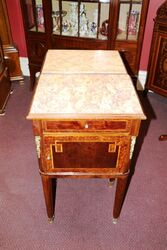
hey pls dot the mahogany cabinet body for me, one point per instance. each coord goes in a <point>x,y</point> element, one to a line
<point>5,83</point>
<point>85,148</point>
<point>157,67</point>
<point>39,40</point>
<point>10,51</point>
<point>81,130</point>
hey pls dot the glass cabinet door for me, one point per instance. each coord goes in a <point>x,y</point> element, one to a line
<point>34,15</point>
<point>129,19</point>
<point>80,19</point>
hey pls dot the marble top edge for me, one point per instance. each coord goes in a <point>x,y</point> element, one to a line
<point>83,51</point>
<point>59,73</point>
<point>91,75</point>
<point>69,116</point>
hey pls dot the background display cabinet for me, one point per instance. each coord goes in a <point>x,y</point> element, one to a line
<point>5,83</point>
<point>157,67</point>
<point>88,24</point>
<point>11,53</point>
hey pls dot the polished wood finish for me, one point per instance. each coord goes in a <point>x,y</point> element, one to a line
<point>10,51</point>
<point>39,42</point>
<point>75,142</point>
<point>163,137</point>
<point>157,67</point>
<point>5,83</point>
<point>82,153</point>
<point>12,60</point>
<point>48,189</point>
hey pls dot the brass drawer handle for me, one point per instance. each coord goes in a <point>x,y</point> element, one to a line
<point>59,147</point>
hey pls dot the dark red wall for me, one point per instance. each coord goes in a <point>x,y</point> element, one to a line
<point>19,38</point>
<point>15,18</point>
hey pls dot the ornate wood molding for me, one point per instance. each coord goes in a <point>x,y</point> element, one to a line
<point>162,13</point>
<point>157,69</point>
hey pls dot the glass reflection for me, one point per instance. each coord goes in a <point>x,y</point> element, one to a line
<point>35,16</point>
<point>81,19</point>
<point>129,19</point>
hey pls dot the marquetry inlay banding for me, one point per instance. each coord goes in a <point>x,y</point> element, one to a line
<point>58,147</point>
<point>112,148</point>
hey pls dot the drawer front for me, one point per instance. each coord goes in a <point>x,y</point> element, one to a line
<point>87,125</point>
<point>86,153</point>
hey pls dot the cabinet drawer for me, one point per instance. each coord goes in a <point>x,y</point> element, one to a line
<point>87,125</point>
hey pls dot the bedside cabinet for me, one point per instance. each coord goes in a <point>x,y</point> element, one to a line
<point>86,123</point>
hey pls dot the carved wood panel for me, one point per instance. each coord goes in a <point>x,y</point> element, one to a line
<point>157,68</point>
<point>161,69</point>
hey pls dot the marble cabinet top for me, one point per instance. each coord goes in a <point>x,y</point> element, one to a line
<point>66,96</point>
<point>83,61</point>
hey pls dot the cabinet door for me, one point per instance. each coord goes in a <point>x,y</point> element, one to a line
<point>160,76</point>
<point>86,153</point>
<point>128,34</point>
<point>157,76</point>
<point>129,20</point>
<point>84,19</point>
<point>34,15</point>
<point>157,66</point>
<point>5,30</point>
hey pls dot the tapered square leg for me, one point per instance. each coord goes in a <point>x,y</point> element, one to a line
<point>119,197</point>
<point>49,188</point>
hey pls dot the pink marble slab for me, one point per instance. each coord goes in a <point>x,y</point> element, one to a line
<point>85,96</point>
<point>83,61</point>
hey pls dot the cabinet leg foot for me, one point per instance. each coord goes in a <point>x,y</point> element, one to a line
<point>163,137</point>
<point>51,220</point>
<point>111,182</point>
<point>2,113</point>
<point>115,220</point>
